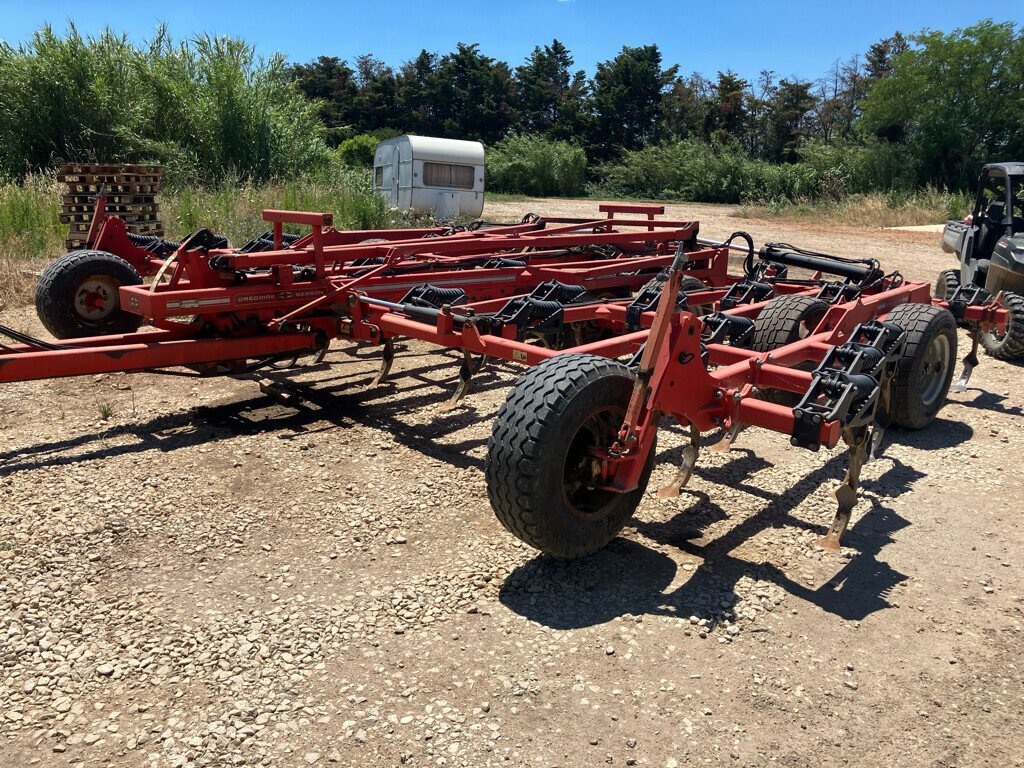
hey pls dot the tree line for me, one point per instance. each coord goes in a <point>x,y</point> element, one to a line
<point>912,110</point>
<point>948,99</point>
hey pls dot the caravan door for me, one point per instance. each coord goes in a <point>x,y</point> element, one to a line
<point>388,180</point>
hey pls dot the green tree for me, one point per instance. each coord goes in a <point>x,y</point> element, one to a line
<point>880,56</point>
<point>331,82</point>
<point>550,97</point>
<point>957,98</point>
<point>686,105</point>
<point>416,94</point>
<point>472,95</point>
<point>787,119</point>
<point>375,104</point>
<point>729,116</point>
<point>628,92</point>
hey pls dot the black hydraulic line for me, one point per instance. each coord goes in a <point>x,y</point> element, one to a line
<point>24,338</point>
<point>412,310</point>
<point>852,269</point>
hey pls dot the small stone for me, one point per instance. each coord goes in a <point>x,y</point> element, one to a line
<point>610,650</point>
<point>105,669</point>
<point>671,763</point>
<point>851,685</point>
<point>312,757</point>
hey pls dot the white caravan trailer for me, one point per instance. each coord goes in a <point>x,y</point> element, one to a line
<point>425,174</point>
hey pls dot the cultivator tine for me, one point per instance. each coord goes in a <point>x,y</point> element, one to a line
<point>960,385</point>
<point>686,464</point>
<point>725,444</point>
<point>882,419</point>
<point>470,367</point>
<point>387,358</point>
<point>846,493</point>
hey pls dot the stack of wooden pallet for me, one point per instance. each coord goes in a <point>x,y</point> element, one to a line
<point>130,193</point>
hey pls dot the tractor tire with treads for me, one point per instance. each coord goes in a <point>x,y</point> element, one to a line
<point>946,284</point>
<point>1009,345</point>
<point>925,370</point>
<point>538,462</point>
<point>77,295</point>
<point>786,319</point>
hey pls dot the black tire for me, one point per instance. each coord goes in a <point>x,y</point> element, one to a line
<point>946,284</point>
<point>1009,345</point>
<point>925,371</point>
<point>687,285</point>
<point>786,319</point>
<point>538,448</point>
<point>77,295</point>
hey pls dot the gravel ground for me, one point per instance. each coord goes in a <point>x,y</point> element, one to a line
<point>209,578</point>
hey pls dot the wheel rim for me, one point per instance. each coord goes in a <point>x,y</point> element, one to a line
<point>934,369</point>
<point>96,298</point>
<point>580,476</point>
<point>995,337</point>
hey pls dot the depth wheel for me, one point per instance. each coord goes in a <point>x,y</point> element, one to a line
<point>77,295</point>
<point>1009,345</point>
<point>783,320</point>
<point>539,470</point>
<point>925,370</point>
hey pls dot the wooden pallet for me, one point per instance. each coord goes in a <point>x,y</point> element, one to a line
<point>130,194</point>
<point>113,189</point>
<point>115,208</point>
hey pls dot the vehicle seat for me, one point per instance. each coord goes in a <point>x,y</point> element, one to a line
<point>990,231</point>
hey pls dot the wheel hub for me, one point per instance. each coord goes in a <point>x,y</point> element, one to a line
<point>934,367</point>
<point>96,298</point>
<point>581,476</point>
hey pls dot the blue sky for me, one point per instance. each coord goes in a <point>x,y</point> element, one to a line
<point>792,38</point>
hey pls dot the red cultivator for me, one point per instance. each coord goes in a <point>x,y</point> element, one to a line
<point>624,319</point>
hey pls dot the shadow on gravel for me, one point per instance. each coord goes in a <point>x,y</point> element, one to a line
<point>989,401</point>
<point>630,578</point>
<point>327,404</point>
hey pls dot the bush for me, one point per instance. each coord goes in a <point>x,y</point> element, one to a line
<point>531,165</point>
<point>860,167</point>
<point>357,151</point>
<point>205,109</point>
<point>697,171</point>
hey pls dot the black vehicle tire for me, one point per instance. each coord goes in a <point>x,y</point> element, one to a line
<point>77,295</point>
<point>946,284</point>
<point>786,319</point>
<point>538,455</point>
<point>925,370</point>
<point>1009,345</point>
<point>687,285</point>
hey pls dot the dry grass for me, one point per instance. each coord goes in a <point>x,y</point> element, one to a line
<point>18,276</point>
<point>875,210</point>
<point>31,234</point>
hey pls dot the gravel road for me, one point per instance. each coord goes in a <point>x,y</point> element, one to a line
<point>208,578</point>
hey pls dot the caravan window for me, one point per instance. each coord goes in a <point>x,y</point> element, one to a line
<point>447,175</point>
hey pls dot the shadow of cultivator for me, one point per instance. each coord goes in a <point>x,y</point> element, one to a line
<point>619,320</point>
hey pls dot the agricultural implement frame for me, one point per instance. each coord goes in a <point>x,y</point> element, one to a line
<point>622,320</point>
